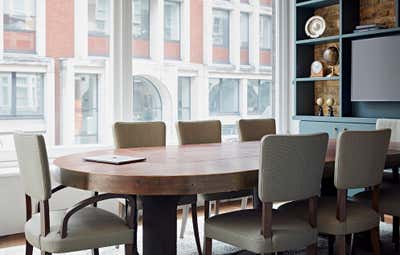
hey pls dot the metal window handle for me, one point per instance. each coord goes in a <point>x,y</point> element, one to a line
<point>336,129</point>
<point>344,129</point>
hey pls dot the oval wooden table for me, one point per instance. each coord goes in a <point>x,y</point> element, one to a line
<point>170,172</point>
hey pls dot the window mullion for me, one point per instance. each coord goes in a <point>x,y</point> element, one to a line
<point>14,94</point>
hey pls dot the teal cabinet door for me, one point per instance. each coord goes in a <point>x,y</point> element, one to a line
<point>332,128</point>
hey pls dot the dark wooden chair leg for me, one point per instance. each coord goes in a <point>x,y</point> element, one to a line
<point>28,248</point>
<point>196,227</point>
<point>208,246</point>
<point>375,241</point>
<point>340,244</point>
<point>395,236</point>
<point>331,242</point>
<point>129,249</point>
<point>206,216</point>
<point>96,250</point>
<point>312,249</point>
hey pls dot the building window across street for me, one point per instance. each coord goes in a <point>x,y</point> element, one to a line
<point>147,104</point>
<point>259,97</point>
<point>86,108</point>
<point>21,95</point>
<point>224,97</point>
<point>184,98</point>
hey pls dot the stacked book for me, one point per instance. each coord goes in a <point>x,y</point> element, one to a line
<point>366,28</point>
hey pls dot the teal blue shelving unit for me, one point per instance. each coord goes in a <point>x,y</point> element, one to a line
<point>351,115</point>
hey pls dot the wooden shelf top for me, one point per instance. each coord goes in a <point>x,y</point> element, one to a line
<point>317,3</point>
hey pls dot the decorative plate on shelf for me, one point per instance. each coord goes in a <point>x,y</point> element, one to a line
<point>315,26</point>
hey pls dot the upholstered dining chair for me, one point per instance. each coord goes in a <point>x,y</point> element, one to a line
<point>390,189</point>
<point>202,132</point>
<point>255,130</point>
<point>291,168</point>
<point>82,226</point>
<point>359,163</point>
<point>151,134</point>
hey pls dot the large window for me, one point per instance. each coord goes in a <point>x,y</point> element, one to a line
<point>141,19</point>
<point>221,28</point>
<point>244,30</point>
<point>259,97</point>
<point>99,17</point>
<point>265,32</point>
<point>172,21</point>
<point>19,20</point>
<point>86,108</point>
<point>19,15</point>
<point>21,95</point>
<point>184,98</point>
<point>147,105</point>
<point>223,96</point>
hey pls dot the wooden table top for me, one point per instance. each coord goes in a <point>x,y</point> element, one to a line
<point>177,170</point>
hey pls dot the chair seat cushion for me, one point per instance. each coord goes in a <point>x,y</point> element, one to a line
<point>388,200</point>
<point>359,218</point>
<point>88,228</point>
<point>226,195</point>
<point>243,229</point>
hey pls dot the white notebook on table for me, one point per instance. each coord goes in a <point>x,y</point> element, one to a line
<point>114,159</point>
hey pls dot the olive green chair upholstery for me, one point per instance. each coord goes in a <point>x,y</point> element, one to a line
<point>81,227</point>
<point>152,134</point>
<point>255,129</point>
<point>359,163</point>
<point>291,168</point>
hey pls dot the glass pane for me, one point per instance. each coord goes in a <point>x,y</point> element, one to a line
<point>141,19</point>
<point>86,108</point>
<point>147,104</point>
<point>5,93</point>
<point>29,94</point>
<point>213,98</point>
<point>184,106</point>
<point>172,21</point>
<point>244,30</point>
<point>99,17</point>
<point>221,28</point>
<point>259,97</point>
<point>229,130</point>
<point>229,96</point>
<point>19,15</point>
<point>265,32</point>
<point>223,96</point>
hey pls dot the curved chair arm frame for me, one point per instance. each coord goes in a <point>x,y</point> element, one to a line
<point>131,201</point>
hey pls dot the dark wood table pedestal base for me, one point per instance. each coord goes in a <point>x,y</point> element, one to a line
<point>159,225</point>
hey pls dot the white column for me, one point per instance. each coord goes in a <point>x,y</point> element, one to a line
<point>40,28</point>
<point>81,28</point>
<point>254,37</point>
<point>121,53</point>
<point>207,32</point>
<point>234,36</point>
<point>185,31</point>
<point>157,30</point>
<point>67,103</point>
<point>1,30</point>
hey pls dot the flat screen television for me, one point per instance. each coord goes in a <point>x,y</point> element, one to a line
<point>375,69</point>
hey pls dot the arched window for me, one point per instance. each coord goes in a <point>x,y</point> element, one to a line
<point>147,105</point>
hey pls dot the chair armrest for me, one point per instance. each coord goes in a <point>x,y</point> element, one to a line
<point>90,201</point>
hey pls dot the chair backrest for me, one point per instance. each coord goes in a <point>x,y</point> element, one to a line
<point>33,165</point>
<point>198,132</point>
<point>255,129</point>
<point>139,134</point>
<point>360,158</point>
<point>392,124</point>
<point>291,166</point>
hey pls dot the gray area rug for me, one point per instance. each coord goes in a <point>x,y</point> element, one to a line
<point>187,245</point>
